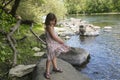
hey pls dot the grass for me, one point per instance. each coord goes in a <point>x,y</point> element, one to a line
<point>24,47</point>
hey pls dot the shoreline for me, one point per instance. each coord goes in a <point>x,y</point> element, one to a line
<point>109,13</point>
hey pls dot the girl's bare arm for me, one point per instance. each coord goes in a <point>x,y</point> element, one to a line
<point>56,38</point>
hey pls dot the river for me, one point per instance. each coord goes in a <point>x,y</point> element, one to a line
<point>104,49</point>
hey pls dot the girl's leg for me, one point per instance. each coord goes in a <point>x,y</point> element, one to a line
<point>55,68</point>
<point>54,63</point>
<point>47,73</point>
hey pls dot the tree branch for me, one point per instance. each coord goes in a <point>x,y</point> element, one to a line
<point>15,27</point>
<point>36,34</point>
<point>7,3</point>
<point>14,7</point>
<point>14,50</point>
<point>3,6</point>
<point>11,42</point>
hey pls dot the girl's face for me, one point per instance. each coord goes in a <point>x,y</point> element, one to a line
<point>52,22</point>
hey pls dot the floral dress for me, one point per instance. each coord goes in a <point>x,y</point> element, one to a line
<point>53,47</point>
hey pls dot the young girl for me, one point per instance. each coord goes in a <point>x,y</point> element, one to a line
<point>55,44</point>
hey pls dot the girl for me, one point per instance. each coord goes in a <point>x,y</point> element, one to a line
<point>55,44</point>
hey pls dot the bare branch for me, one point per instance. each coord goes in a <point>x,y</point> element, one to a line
<point>15,27</point>
<point>11,42</point>
<point>14,7</point>
<point>7,3</point>
<point>13,48</point>
<point>36,35</point>
<point>3,6</point>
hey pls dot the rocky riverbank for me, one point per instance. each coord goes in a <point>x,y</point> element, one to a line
<point>74,26</point>
<point>76,56</point>
<point>69,72</point>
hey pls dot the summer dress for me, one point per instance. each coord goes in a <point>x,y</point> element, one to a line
<point>53,47</point>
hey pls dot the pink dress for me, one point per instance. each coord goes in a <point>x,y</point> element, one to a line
<point>54,48</point>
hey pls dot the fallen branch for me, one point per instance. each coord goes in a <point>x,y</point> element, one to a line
<point>36,34</point>
<point>11,42</point>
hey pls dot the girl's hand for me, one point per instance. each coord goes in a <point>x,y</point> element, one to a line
<point>66,46</point>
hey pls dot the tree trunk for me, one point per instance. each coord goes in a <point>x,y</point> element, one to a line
<point>14,7</point>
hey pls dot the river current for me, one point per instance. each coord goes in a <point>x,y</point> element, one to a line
<point>104,49</point>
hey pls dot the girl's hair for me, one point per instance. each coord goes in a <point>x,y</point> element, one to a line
<point>50,17</point>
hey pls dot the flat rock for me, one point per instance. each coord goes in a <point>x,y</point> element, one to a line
<point>21,70</point>
<point>39,54</point>
<point>69,72</point>
<point>76,56</point>
<point>36,49</point>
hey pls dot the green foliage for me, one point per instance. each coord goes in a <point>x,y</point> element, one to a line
<point>6,21</point>
<point>73,6</point>
<point>24,47</point>
<point>55,6</point>
<point>5,51</point>
<point>92,6</point>
<point>30,10</point>
<point>36,9</point>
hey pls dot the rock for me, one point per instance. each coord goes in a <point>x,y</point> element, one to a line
<point>36,49</point>
<point>76,56</point>
<point>71,25</point>
<point>64,31</point>
<point>89,30</point>
<point>74,25</point>
<point>97,27</point>
<point>69,73</point>
<point>39,54</point>
<point>67,37</point>
<point>21,70</point>
<point>44,46</point>
<point>107,28</point>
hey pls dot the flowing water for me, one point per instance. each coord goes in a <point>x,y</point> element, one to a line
<point>104,49</point>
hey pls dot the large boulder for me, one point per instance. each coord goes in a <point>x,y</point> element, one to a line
<point>89,30</point>
<point>76,56</point>
<point>69,73</point>
<point>21,70</point>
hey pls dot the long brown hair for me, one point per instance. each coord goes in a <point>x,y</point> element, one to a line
<point>50,17</point>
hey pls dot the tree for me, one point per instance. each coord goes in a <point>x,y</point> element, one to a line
<point>92,6</point>
<point>16,12</point>
<point>10,22</point>
<point>55,6</point>
<point>73,6</point>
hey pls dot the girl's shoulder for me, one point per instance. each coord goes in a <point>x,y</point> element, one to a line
<point>49,28</point>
